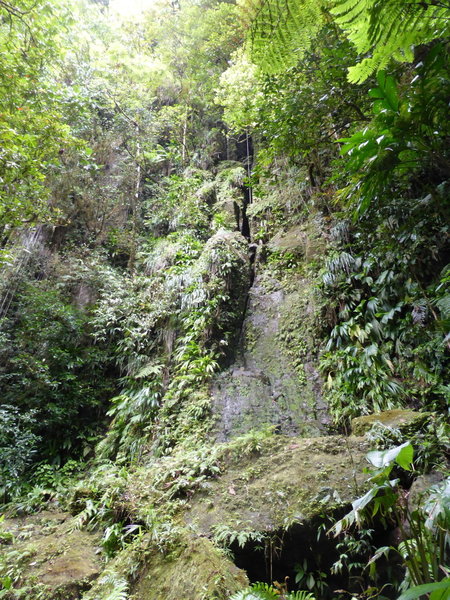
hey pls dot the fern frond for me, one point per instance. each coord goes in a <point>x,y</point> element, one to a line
<point>443,304</point>
<point>388,29</point>
<point>280,31</point>
<point>119,585</point>
<point>301,595</point>
<point>264,591</point>
<point>257,591</point>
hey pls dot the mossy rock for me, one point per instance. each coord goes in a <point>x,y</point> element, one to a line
<point>56,560</point>
<point>287,480</point>
<point>196,570</point>
<point>274,379</point>
<point>408,421</point>
<point>293,240</point>
<point>302,240</point>
<point>421,486</point>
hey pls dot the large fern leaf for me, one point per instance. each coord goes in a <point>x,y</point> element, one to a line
<point>388,29</point>
<point>280,30</point>
<point>264,591</point>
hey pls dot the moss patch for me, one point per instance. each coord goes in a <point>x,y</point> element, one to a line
<point>197,570</point>
<point>50,556</point>
<point>408,421</point>
<point>288,480</point>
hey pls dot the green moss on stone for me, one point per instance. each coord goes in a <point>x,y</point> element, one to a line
<point>408,421</point>
<point>196,570</point>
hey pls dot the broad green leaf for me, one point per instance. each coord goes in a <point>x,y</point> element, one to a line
<point>440,590</point>
<point>402,455</point>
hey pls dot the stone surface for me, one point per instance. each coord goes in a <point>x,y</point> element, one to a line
<point>288,480</point>
<point>196,570</point>
<point>56,559</point>
<point>403,419</point>
<point>268,484</point>
<point>304,240</point>
<point>420,486</point>
<point>267,384</point>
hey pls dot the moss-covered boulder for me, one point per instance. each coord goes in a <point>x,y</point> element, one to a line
<point>196,569</point>
<point>304,240</point>
<point>408,421</point>
<point>49,557</point>
<point>267,485</point>
<point>270,483</point>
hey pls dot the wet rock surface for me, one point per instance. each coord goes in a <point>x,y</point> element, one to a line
<point>290,479</point>
<point>266,385</point>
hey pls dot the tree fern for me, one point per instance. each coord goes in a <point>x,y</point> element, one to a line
<point>388,29</point>
<point>280,30</point>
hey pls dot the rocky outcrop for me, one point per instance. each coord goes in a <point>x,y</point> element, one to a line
<point>288,480</point>
<point>408,421</point>
<point>196,569</point>
<point>274,379</point>
<point>56,560</point>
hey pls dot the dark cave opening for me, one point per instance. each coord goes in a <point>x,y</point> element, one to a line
<point>302,557</point>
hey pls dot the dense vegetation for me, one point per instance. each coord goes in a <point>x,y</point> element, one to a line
<point>147,165</point>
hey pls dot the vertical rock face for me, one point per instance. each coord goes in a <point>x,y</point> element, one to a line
<point>268,384</point>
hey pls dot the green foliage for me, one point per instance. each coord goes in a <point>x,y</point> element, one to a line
<point>17,446</point>
<point>253,442</point>
<point>431,442</point>
<point>382,496</point>
<point>114,586</point>
<point>280,32</point>
<point>33,127</point>
<point>186,472</point>
<point>297,113</point>
<point>95,501</point>
<point>406,137</point>
<point>438,590</point>
<point>424,528</point>
<point>225,536</point>
<point>387,339</point>
<point>265,591</point>
<point>48,368</point>
<point>355,550</point>
<point>179,207</point>
<point>240,93</point>
<point>388,29</point>
<point>314,580</point>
